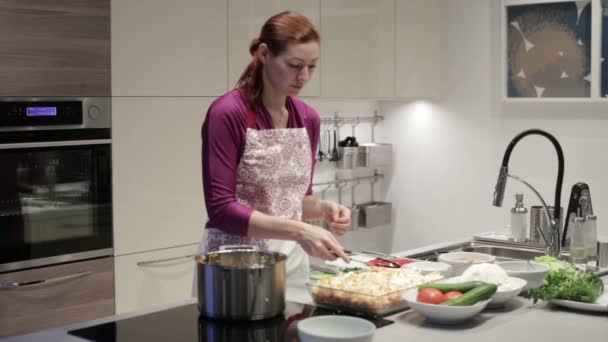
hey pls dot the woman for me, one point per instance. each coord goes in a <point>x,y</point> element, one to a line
<point>259,145</point>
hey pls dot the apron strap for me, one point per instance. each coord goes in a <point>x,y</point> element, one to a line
<point>250,119</point>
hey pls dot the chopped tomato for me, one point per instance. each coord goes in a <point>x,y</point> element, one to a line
<point>452,295</point>
<point>430,296</point>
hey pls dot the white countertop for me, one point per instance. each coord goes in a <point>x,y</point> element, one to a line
<point>520,320</point>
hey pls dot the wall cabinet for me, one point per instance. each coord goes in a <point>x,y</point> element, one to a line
<point>157,173</point>
<point>358,49</point>
<point>417,49</point>
<point>55,48</point>
<point>245,19</point>
<point>169,48</point>
<point>71,293</point>
<point>146,280</point>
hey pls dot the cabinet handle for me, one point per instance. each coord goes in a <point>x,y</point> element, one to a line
<point>160,261</point>
<point>9,286</point>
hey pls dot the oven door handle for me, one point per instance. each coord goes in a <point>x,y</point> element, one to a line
<point>162,261</point>
<point>55,143</point>
<point>9,286</point>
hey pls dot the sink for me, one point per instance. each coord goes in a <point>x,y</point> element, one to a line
<point>502,253</point>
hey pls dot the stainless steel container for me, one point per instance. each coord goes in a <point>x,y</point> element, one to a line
<point>241,284</point>
<point>375,214</point>
<point>538,219</point>
<point>348,157</point>
<point>374,155</point>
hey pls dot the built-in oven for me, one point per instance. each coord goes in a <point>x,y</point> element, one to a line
<point>55,181</point>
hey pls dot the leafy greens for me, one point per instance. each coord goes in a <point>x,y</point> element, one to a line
<point>564,281</point>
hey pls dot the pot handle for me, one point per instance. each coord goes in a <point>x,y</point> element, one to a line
<point>241,247</point>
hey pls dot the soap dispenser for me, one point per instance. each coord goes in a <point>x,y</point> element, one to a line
<point>519,219</point>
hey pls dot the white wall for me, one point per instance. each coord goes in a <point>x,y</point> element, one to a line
<point>448,153</point>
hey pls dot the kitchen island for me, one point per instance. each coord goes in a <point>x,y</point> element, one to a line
<point>519,320</point>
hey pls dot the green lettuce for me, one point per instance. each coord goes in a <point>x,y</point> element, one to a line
<point>565,281</point>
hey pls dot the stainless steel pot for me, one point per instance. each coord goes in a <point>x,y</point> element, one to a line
<point>241,284</point>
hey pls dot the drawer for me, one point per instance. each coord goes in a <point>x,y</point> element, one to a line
<point>150,279</point>
<point>70,293</point>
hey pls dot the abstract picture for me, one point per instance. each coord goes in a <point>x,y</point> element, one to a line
<point>604,58</point>
<point>549,50</point>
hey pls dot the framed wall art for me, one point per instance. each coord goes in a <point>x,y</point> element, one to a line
<point>554,49</point>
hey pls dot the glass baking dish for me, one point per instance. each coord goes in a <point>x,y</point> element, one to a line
<point>358,302</point>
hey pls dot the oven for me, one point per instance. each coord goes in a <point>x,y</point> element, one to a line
<point>55,181</point>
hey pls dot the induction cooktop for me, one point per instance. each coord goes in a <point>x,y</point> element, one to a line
<point>185,324</point>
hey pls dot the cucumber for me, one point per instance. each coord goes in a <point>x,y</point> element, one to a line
<point>460,287</point>
<point>481,292</point>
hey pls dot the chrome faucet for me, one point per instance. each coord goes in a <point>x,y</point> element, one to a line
<point>552,242</point>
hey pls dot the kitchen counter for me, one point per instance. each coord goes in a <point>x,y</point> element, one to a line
<point>520,320</point>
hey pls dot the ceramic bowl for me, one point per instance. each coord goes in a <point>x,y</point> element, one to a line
<point>335,328</point>
<point>460,261</point>
<point>533,273</point>
<point>502,296</point>
<point>444,314</point>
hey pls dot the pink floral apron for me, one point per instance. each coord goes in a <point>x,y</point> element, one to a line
<point>272,177</point>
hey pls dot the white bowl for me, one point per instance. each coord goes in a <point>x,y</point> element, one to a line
<point>504,293</point>
<point>502,296</point>
<point>430,266</point>
<point>460,261</point>
<point>532,272</point>
<point>444,314</point>
<point>335,328</point>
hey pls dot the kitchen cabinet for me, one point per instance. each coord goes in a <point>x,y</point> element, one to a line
<point>157,173</point>
<point>72,293</point>
<point>358,48</point>
<point>417,48</point>
<point>55,48</point>
<point>245,19</point>
<point>169,48</point>
<point>146,280</point>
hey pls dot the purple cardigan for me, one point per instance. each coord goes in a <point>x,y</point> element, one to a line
<point>223,135</point>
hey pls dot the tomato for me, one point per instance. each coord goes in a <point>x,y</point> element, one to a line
<point>430,296</point>
<point>452,295</point>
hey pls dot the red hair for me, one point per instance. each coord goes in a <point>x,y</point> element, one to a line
<point>278,31</point>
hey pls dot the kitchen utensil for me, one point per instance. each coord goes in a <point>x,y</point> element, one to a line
<point>241,283</point>
<point>460,261</point>
<point>335,155</point>
<point>355,212</point>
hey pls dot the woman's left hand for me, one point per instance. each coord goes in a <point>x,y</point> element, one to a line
<point>337,216</point>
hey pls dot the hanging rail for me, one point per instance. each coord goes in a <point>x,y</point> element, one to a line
<point>338,182</point>
<point>340,120</point>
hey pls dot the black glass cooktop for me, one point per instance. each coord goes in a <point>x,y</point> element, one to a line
<point>184,324</point>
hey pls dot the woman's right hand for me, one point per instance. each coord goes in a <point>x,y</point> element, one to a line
<point>320,243</point>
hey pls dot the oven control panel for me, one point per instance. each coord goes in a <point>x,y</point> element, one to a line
<point>54,113</point>
<point>40,113</point>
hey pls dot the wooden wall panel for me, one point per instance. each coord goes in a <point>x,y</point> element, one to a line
<point>55,48</point>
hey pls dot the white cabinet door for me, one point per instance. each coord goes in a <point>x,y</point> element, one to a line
<point>157,177</point>
<point>418,48</point>
<point>147,280</point>
<point>358,48</point>
<point>245,19</point>
<point>169,48</point>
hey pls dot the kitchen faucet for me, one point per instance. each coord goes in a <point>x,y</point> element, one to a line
<point>552,242</point>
